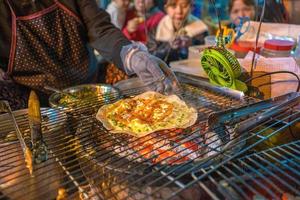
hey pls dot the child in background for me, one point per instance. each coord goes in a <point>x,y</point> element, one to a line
<point>241,8</point>
<point>176,32</point>
<point>136,28</point>
<point>275,10</point>
<point>117,10</point>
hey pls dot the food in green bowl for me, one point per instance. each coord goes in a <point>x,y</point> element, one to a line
<point>85,94</point>
<point>95,94</point>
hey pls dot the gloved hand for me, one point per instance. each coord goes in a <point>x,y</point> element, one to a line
<point>4,76</point>
<point>137,60</point>
<point>175,44</point>
<point>185,41</point>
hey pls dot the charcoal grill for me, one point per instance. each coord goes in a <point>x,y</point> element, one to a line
<point>269,174</point>
<point>90,163</point>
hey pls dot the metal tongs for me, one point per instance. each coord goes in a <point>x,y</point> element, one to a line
<point>217,121</point>
<point>39,147</point>
<point>5,107</point>
<point>170,77</point>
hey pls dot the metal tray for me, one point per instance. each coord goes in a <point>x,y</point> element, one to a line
<point>103,93</point>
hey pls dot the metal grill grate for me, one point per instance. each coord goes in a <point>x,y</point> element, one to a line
<point>88,162</point>
<point>270,174</point>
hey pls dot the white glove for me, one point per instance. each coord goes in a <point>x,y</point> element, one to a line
<point>137,60</point>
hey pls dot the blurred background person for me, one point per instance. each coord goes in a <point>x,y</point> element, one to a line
<point>293,11</point>
<point>275,11</point>
<point>241,9</point>
<point>117,10</point>
<point>176,32</point>
<point>142,18</point>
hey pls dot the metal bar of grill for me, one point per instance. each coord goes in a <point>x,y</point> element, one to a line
<point>270,174</point>
<point>89,162</point>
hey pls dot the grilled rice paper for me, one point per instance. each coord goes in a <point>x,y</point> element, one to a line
<point>146,113</point>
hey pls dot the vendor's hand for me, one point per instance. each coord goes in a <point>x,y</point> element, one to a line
<point>133,24</point>
<point>175,44</point>
<point>4,76</point>
<point>139,61</point>
<point>185,41</point>
<point>148,70</point>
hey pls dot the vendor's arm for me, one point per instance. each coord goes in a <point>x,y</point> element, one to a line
<point>112,44</point>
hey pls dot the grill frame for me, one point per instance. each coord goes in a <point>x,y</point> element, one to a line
<point>79,183</point>
<point>252,177</point>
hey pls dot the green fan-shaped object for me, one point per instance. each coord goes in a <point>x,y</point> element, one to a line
<point>222,67</point>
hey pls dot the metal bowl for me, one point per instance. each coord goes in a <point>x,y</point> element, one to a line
<point>130,84</point>
<point>103,93</point>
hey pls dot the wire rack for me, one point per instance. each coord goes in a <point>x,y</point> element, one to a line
<point>269,174</point>
<point>88,162</point>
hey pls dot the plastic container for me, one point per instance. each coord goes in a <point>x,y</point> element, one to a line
<point>297,52</point>
<point>277,48</point>
<point>210,40</point>
<point>242,48</point>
